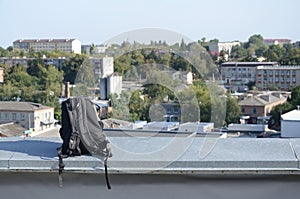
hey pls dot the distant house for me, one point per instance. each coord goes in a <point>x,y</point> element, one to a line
<point>279,42</point>
<point>260,105</point>
<point>184,76</point>
<point>29,115</point>
<point>290,124</point>
<point>216,47</point>
<point>172,111</point>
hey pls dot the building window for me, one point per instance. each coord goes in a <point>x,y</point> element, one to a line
<point>254,110</point>
<point>6,116</point>
<point>271,80</point>
<point>270,72</point>
<point>243,110</point>
<point>14,116</point>
<point>176,110</point>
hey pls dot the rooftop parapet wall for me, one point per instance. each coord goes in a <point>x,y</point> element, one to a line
<point>154,155</point>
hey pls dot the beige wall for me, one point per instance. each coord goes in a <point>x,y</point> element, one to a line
<point>261,110</point>
<point>76,46</point>
<point>29,119</point>
<point>1,75</point>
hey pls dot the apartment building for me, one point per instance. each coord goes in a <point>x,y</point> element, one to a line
<point>29,115</point>
<point>65,45</point>
<point>283,77</point>
<point>111,84</point>
<point>11,61</point>
<point>236,75</point>
<point>222,46</point>
<point>103,67</point>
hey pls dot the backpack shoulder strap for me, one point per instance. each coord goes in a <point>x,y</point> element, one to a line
<point>74,139</point>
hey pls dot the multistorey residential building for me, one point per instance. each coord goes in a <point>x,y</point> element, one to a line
<point>11,61</point>
<point>283,77</point>
<point>236,75</point>
<point>111,84</point>
<point>66,45</point>
<point>103,67</point>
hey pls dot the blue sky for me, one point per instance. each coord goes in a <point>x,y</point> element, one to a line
<point>95,21</point>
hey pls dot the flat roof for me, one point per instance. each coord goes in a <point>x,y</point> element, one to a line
<point>293,115</point>
<point>248,64</point>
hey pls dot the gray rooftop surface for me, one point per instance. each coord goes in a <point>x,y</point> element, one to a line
<point>160,155</point>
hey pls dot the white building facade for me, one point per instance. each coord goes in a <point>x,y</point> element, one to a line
<point>103,67</point>
<point>110,85</point>
<point>222,46</point>
<point>65,45</point>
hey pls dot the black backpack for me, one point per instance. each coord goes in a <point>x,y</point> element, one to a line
<point>81,133</point>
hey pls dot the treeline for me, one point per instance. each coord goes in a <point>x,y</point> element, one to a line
<point>40,82</point>
<point>254,48</point>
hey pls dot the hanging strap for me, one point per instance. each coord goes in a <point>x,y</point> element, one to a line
<point>61,166</point>
<point>105,167</point>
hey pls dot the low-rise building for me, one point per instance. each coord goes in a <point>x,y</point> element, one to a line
<point>65,45</point>
<point>260,105</point>
<point>290,124</point>
<point>283,77</point>
<point>27,114</point>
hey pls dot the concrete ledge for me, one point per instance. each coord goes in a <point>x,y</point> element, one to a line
<point>160,155</point>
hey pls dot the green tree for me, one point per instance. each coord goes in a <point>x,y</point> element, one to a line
<point>139,106</point>
<point>233,110</point>
<point>71,67</point>
<point>295,96</point>
<point>120,108</point>
<point>278,110</point>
